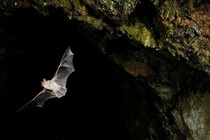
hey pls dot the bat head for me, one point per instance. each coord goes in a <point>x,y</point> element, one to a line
<point>45,82</point>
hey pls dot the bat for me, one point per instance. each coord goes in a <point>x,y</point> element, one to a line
<point>56,87</point>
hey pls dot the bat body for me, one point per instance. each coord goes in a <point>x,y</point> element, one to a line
<point>56,87</point>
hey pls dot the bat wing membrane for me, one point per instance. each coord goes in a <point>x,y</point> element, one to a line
<point>39,99</point>
<point>65,68</point>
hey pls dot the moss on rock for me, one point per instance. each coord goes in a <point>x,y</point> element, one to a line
<point>139,33</point>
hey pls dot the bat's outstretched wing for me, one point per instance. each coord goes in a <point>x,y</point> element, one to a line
<point>65,68</point>
<point>39,99</point>
<point>56,87</point>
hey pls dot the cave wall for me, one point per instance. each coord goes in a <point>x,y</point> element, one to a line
<point>142,68</point>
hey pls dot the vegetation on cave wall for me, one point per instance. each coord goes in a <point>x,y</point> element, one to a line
<point>186,31</point>
<point>179,27</point>
<point>165,83</point>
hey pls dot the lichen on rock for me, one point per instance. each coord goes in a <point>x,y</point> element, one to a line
<point>196,114</point>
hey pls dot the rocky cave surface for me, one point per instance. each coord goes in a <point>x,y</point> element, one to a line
<point>141,69</point>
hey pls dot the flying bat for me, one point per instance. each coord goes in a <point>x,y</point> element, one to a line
<point>56,87</point>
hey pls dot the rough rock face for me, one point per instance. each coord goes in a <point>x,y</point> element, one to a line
<point>157,53</point>
<point>180,28</point>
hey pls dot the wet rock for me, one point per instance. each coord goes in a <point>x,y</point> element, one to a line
<point>133,65</point>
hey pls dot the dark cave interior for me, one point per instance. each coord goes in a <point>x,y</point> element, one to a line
<point>90,108</point>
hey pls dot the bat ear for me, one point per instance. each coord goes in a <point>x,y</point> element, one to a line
<point>43,82</point>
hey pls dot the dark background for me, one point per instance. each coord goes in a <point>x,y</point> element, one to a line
<point>90,108</point>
